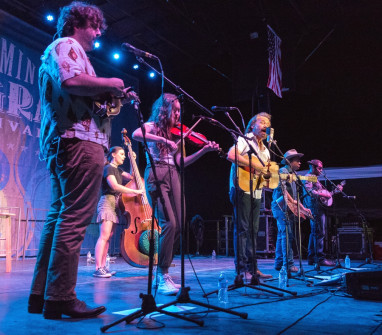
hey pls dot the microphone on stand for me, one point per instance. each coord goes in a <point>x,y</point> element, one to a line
<point>222,109</point>
<point>137,52</point>
<point>270,134</point>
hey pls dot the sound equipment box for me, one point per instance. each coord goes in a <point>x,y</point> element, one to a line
<point>267,234</point>
<point>364,284</point>
<point>353,242</point>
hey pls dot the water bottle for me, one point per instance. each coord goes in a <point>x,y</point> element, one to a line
<point>283,278</point>
<point>347,262</point>
<point>223,289</point>
<point>107,264</point>
<point>213,257</point>
<point>88,258</point>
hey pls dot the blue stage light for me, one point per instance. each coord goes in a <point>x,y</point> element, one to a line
<point>97,44</point>
<point>116,56</point>
<point>152,74</point>
<point>135,66</point>
<point>50,18</point>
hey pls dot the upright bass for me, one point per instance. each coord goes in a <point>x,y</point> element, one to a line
<point>135,239</point>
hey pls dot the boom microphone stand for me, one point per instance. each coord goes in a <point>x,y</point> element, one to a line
<point>338,264</point>
<point>183,295</point>
<point>301,272</point>
<point>255,281</point>
<point>148,302</point>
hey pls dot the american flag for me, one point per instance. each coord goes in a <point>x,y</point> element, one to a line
<point>274,60</point>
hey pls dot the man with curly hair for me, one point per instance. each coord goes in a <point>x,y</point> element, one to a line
<point>73,140</point>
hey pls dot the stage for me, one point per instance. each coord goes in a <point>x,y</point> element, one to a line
<point>314,310</point>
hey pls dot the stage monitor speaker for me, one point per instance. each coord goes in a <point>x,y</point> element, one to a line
<point>266,236</point>
<point>364,284</point>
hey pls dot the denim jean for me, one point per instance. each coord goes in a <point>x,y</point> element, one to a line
<point>76,175</point>
<point>284,228</point>
<point>316,238</point>
<point>246,226</point>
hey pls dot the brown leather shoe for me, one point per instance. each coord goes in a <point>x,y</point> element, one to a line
<point>262,275</point>
<point>73,308</point>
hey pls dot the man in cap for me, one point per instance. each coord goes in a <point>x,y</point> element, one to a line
<point>281,212</point>
<point>318,225</point>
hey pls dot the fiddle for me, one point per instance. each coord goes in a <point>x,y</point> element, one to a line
<point>193,137</point>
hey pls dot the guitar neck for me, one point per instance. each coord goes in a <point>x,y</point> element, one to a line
<point>285,176</point>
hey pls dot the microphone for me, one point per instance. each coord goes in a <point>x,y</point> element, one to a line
<point>353,197</point>
<point>222,109</point>
<point>270,134</point>
<point>137,52</point>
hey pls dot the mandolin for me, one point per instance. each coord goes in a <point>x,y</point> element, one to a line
<point>106,105</point>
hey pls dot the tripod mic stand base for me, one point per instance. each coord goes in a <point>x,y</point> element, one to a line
<point>254,284</point>
<point>183,297</point>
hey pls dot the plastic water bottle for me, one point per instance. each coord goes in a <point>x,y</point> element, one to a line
<point>347,262</point>
<point>213,257</point>
<point>107,264</point>
<point>283,278</point>
<point>88,258</point>
<point>223,289</point>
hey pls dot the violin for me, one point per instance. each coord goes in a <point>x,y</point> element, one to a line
<point>193,137</point>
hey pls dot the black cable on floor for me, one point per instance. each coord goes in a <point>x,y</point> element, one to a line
<point>304,316</point>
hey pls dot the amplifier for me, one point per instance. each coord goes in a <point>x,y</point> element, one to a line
<point>266,236</point>
<point>364,284</point>
<point>352,241</point>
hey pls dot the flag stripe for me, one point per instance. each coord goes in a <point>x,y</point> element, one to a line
<point>274,61</point>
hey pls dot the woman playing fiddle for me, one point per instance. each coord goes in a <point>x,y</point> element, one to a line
<point>112,188</point>
<point>166,155</point>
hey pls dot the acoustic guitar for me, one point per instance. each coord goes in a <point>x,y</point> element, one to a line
<point>269,179</point>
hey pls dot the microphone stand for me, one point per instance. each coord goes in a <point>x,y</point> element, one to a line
<point>338,264</point>
<point>299,184</point>
<point>148,302</point>
<point>255,281</point>
<point>364,227</point>
<point>183,294</point>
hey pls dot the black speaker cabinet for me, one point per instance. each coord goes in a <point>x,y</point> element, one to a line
<point>352,241</point>
<point>364,284</point>
<point>266,241</point>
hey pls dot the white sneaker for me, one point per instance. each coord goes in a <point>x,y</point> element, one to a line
<point>172,282</point>
<point>166,286</point>
<point>155,283</point>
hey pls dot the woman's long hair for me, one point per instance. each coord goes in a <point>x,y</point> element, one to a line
<point>161,115</point>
